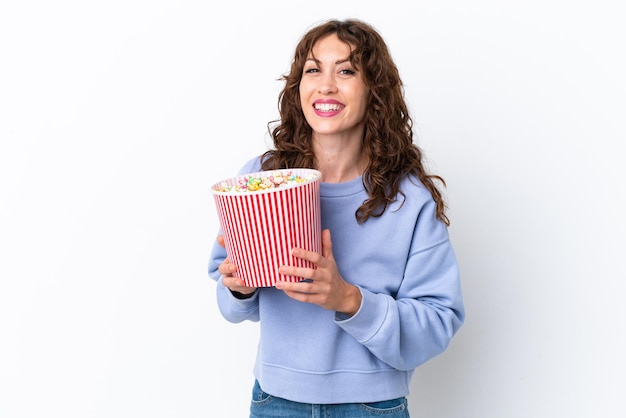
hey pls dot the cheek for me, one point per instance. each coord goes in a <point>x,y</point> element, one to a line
<point>363,104</point>
<point>365,100</point>
<point>302,97</point>
<point>305,94</point>
<point>304,90</point>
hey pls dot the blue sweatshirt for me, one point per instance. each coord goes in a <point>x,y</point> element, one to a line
<point>405,267</point>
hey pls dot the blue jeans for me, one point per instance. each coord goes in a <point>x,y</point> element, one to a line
<point>264,405</point>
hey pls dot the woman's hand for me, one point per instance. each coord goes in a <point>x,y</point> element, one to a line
<point>235,284</point>
<point>326,288</point>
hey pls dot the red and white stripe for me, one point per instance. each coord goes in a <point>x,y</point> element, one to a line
<point>261,228</point>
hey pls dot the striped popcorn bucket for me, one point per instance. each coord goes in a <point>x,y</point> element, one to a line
<point>261,227</point>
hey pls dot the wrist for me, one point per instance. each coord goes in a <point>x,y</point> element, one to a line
<point>240,295</point>
<point>353,301</point>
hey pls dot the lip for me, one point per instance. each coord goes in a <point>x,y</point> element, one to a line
<point>336,107</point>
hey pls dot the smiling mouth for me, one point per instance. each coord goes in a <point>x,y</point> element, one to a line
<point>327,107</point>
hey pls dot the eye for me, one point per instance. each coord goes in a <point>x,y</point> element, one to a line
<point>311,70</point>
<point>347,72</point>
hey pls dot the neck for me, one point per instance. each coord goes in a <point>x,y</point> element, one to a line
<point>340,161</point>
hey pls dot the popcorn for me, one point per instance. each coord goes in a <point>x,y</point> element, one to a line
<point>273,180</point>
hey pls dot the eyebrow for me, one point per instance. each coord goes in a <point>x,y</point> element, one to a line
<point>336,62</point>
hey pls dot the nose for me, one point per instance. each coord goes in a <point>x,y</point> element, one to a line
<point>327,83</point>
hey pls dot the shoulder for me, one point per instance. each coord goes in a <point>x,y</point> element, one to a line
<point>415,197</point>
<point>253,165</point>
<point>429,228</point>
<point>412,189</point>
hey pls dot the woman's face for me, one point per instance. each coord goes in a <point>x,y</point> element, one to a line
<point>332,92</point>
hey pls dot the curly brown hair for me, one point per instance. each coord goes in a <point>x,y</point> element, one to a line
<point>388,138</point>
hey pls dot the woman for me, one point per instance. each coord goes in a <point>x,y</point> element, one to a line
<point>385,295</point>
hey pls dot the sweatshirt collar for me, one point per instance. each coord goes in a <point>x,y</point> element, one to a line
<point>342,189</point>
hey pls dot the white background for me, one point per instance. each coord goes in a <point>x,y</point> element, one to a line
<point>117,116</point>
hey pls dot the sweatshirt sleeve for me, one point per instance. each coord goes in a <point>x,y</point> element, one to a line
<point>233,309</point>
<point>418,323</point>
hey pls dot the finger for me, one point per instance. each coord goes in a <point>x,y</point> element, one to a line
<point>327,244</point>
<point>220,240</point>
<point>295,287</point>
<point>233,282</point>
<point>311,256</point>
<point>227,268</point>
<point>304,272</point>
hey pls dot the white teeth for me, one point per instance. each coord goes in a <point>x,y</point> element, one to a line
<point>327,107</point>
